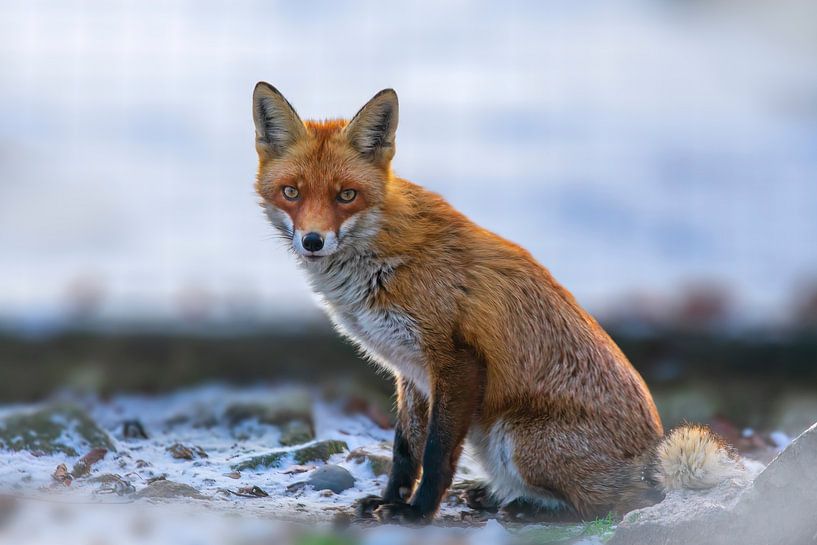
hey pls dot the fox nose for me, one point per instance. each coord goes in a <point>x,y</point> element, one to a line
<point>312,242</point>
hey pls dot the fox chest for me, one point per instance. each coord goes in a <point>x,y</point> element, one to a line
<point>388,335</point>
<point>390,338</point>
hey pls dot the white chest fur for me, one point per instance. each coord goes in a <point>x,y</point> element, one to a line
<point>389,336</point>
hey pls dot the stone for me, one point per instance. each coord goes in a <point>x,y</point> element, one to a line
<point>133,429</point>
<point>105,478</point>
<point>331,477</point>
<point>781,504</point>
<point>252,491</point>
<point>269,460</point>
<point>84,464</point>
<point>296,432</point>
<point>184,452</point>
<point>51,430</point>
<point>319,452</point>
<point>164,489</point>
<point>316,452</point>
<point>62,476</point>
<point>380,464</point>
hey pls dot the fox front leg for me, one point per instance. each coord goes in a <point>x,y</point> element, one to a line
<point>455,392</point>
<point>407,453</point>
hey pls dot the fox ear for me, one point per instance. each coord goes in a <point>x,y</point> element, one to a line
<point>277,126</point>
<point>371,132</point>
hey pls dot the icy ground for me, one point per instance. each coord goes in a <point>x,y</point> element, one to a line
<point>39,505</point>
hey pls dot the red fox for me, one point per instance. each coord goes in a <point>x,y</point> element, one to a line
<point>483,343</point>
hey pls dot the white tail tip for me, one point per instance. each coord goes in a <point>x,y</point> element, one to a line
<point>693,457</point>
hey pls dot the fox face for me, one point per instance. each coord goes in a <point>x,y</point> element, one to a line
<point>322,183</point>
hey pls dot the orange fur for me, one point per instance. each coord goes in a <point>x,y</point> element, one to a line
<point>482,339</point>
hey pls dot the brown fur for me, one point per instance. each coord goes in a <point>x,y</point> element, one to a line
<point>503,342</point>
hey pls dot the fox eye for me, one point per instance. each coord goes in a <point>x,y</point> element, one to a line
<point>290,192</point>
<point>347,195</point>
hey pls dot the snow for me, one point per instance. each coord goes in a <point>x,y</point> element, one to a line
<point>50,513</point>
<point>90,511</point>
<point>224,445</point>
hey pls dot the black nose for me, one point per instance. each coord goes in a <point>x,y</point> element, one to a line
<point>312,242</point>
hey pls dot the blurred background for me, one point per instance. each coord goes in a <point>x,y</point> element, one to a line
<point>659,156</point>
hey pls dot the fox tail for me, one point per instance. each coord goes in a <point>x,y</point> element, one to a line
<point>693,457</point>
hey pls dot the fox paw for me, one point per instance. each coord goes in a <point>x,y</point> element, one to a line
<point>365,507</point>
<point>479,498</point>
<point>401,513</point>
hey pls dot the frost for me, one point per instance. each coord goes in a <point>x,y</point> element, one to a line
<point>203,497</point>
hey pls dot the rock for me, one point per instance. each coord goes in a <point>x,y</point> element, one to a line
<point>331,477</point>
<point>294,470</point>
<point>51,430</point>
<point>683,517</point>
<point>122,487</point>
<point>114,484</point>
<point>251,492</point>
<point>781,505</point>
<point>296,432</point>
<point>320,451</point>
<point>778,507</point>
<point>380,464</point>
<point>105,478</point>
<point>233,474</point>
<point>317,452</point>
<point>133,429</point>
<point>269,460</point>
<point>164,489</point>
<point>296,487</point>
<point>183,452</point>
<point>84,464</point>
<point>62,476</point>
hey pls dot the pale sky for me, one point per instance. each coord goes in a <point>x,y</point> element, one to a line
<point>634,147</point>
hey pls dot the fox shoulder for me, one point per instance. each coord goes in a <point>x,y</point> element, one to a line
<point>693,456</point>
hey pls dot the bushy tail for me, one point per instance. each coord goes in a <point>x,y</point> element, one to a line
<point>694,457</point>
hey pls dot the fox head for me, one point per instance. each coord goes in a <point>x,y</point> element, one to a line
<point>322,183</point>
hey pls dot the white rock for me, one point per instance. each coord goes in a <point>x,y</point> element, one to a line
<point>778,507</point>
